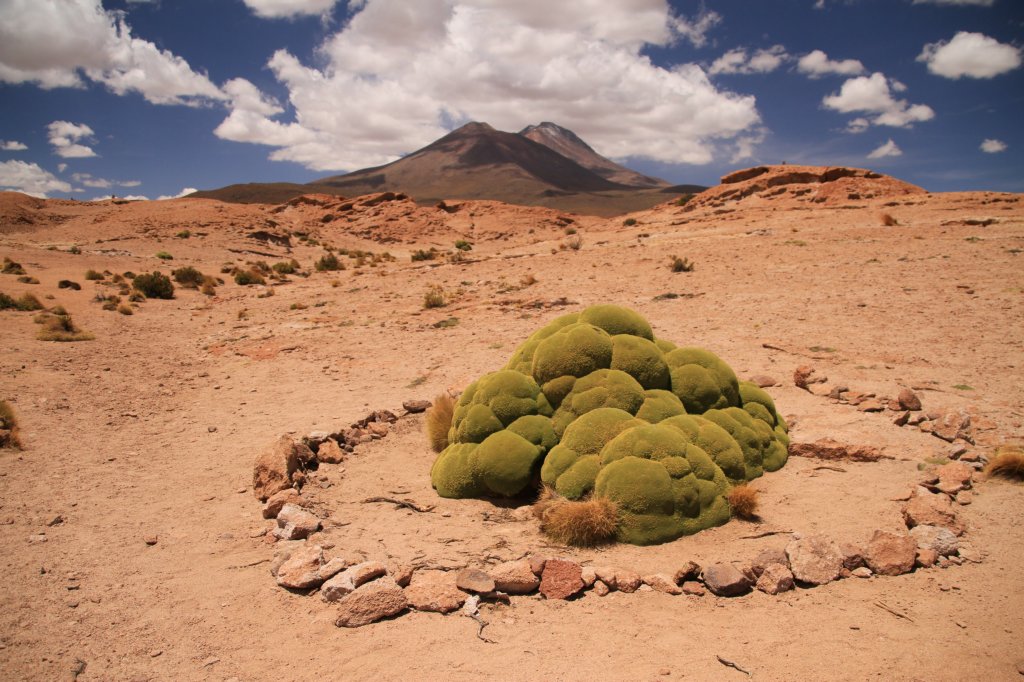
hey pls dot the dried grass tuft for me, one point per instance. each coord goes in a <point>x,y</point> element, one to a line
<point>580,523</point>
<point>8,427</point>
<point>439,421</point>
<point>1008,463</point>
<point>743,500</point>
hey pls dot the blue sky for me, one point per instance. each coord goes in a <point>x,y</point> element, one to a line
<point>150,97</point>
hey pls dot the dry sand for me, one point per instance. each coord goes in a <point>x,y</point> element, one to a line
<point>152,428</point>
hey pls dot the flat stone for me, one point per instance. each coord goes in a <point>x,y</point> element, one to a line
<point>514,577</point>
<point>371,602</point>
<point>474,580</point>
<point>832,450</point>
<point>295,523</point>
<point>377,429</point>
<point>964,497</point>
<point>561,579</point>
<point>952,425</point>
<point>301,570</point>
<point>416,406</point>
<point>941,540</point>
<point>662,582</point>
<point>693,588</point>
<point>767,557</point>
<point>725,580</point>
<point>434,591</point>
<point>954,477</point>
<point>908,400</point>
<point>775,578</point>
<point>279,499</point>
<point>330,452</point>
<point>351,579</point>
<point>862,572</point>
<point>853,555</point>
<point>890,553</point>
<point>871,405</point>
<point>627,581</point>
<point>688,571</point>
<point>932,509</point>
<point>276,465</point>
<point>401,573</point>
<point>763,381</point>
<point>815,559</point>
<point>332,568</point>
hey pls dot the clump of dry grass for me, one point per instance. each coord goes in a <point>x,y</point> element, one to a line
<point>57,326</point>
<point>125,309</point>
<point>580,523</point>
<point>434,298</point>
<point>8,427</point>
<point>439,421</point>
<point>1008,463</point>
<point>26,302</point>
<point>743,500</point>
<point>527,280</point>
<point>888,220</point>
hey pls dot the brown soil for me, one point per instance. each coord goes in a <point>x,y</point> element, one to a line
<point>152,428</point>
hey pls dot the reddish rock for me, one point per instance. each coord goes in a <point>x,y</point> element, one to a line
<point>774,579</point>
<point>295,523</point>
<point>815,559</point>
<point>514,577</point>
<point>330,452</point>
<point>276,465</point>
<point>951,426</point>
<point>926,558</point>
<point>829,449</point>
<point>871,405</point>
<point>332,568</point>
<point>606,574</point>
<point>416,406</point>
<point>537,564</point>
<point>954,477</point>
<point>301,570</point>
<point>853,555</point>
<point>370,603</point>
<point>601,589</point>
<point>474,580</point>
<point>941,540</point>
<point>661,582</point>
<point>932,509</point>
<point>589,576</point>
<point>434,591</point>
<point>627,581</point>
<point>351,579</point>
<point>964,497</point>
<point>693,588</point>
<point>890,553</point>
<point>561,579</point>
<point>689,571</point>
<point>763,381</point>
<point>725,580</point>
<point>278,500</point>
<point>377,429</point>
<point>805,375</point>
<point>862,572</point>
<point>767,557</point>
<point>401,573</point>
<point>908,400</point>
<point>901,419</point>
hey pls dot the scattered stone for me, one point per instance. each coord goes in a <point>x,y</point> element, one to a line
<point>349,580</point>
<point>606,574</point>
<point>970,457</point>
<point>815,559</point>
<point>952,425</point>
<point>901,419</point>
<point>954,477</point>
<point>862,572</point>
<point>832,450</point>
<point>871,405</point>
<point>661,582</point>
<point>276,465</point>
<point>55,521</point>
<point>627,581</point>
<point>931,509</point>
<point>926,558</point>
<point>561,579</point>
<point>371,602</point>
<point>377,429</point>
<point>515,577</point>
<point>295,523</point>
<point>151,540</point>
<point>956,450</point>
<point>693,588</point>
<point>941,540</point>
<point>890,553</point>
<point>474,580</point>
<point>775,578</point>
<point>434,591</point>
<point>279,499</point>
<point>908,400</point>
<point>330,452</point>
<point>301,570</point>
<point>853,555</point>
<point>416,406</point>
<point>767,557</point>
<point>969,553</point>
<point>837,392</point>
<point>37,538</point>
<point>806,375</point>
<point>537,564</point>
<point>964,497</point>
<point>283,552</point>
<point>601,589</point>
<point>401,573</point>
<point>332,568</point>
<point>725,580</point>
<point>917,419</point>
<point>689,571</point>
<point>763,381</point>
<point>589,576</point>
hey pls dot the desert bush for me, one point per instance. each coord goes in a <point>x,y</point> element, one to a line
<point>570,231</point>
<point>629,222</point>
<point>684,200</point>
<point>421,255</point>
<point>1008,463</point>
<point>298,306</point>
<point>439,421</point>
<point>59,327</point>
<point>184,234</point>
<point>154,285</point>
<point>743,502</point>
<point>136,297</point>
<point>163,255</point>
<point>12,268</point>
<point>68,284</point>
<point>188,277</point>
<point>888,220</point>
<point>75,250</point>
<point>286,267</point>
<point>434,298</point>
<point>579,523</point>
<point>329,263</point>
<point>25,302</point>
<point>575,242</point>
<point>92,275</point>
<point>128,274</point>
<point>677,264</point>
<point>25,279</point>
<point>528,280</point>
<point>125,309</point>
<point>463,245</point>
<point>247,277</point>
<point>456,256</point>
<point>8,427</point>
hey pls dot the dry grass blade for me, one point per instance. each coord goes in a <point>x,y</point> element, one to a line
<point>439,421</point>
<point>8,427</point>
<point>580,523</point>
<point>1007,463</point>
<point>743,500</point>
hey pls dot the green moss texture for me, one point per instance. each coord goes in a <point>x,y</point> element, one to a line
<point>593,404</point>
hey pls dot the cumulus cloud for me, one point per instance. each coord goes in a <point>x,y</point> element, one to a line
<point>101,183</point>
<point>399,75</point>
<point>695,30</point>
<point>738,61</point>
<point>973,55</point>
<point>817,64</point>
<point>184,192</point>
<point>65,136</point>
<point>887,149</point>
<point>12,146</point>
<point>874,95</point>
<point>858,125</point>
<point>29,178</point>
<point>281,9</point>
<point>991,146</point>
<point>61,43</point>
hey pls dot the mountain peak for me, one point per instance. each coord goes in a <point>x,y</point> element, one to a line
<point>475,128</point>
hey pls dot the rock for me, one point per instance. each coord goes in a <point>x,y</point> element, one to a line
<point>377,429</point>
<point>330,452</point>
<point>956,450</point>
<point>725,580</point>
<point>282,552</point>
<point>295,523</point>
<point>828,449</point>
<point>763,381</point>
<point>601,589</point>
<point>774,579</point>
<point>301,570</point>
<point>332,568</point>
<point>952,425</point>
<point>871,405</point>
<point>416,406</point>
<point>276,465</point>
<point>837,392</point>
<point>474,580</point>
<point>908,400</point>
<point>349,580</point>
<point>941,540</point>
<point>862,572</point>
<point>853,555</point>
<point>589,576</point>
<point>815,559</point>
<point>964,497</point>
<point>931,509</point>
<point>692,587</point>
<point>561,579</point>
<point>767,557</point>
<point>805,375</point>
<point>401,573</point>
<point>954,477</point>
<point>151,540</point>
<point>606,574</point>
<point>901,419</point>
<point>926,558</point>
<point>689,571</point>
<point>370,603</point>
<point>537,564</point>
<point>917,419</point>
<point>662,582</point>
<point>890,553</point>
<point>434,591</point>
<point>627,581</point>
<point>279,499</point>
<point>515,577</point>
<point>969,553</point>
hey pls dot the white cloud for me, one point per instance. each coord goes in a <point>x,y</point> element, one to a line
<point>746,145</point>
<point>887,149</point>
<point>978,3</point>
<point>61,167</point>
<point>90,181</point>
<point>695,30</point>
<point>129,183</point>
<point>873,95</point>
<point>858,125</point>
<point>401,74</point>
<point>130,197</point>
<point>737,61</point>
<point>54,43</point>
<point>817,64</point>
<point>280,9</point>
<point>974,55</point>
<point>29,178</point>
<point>185,191</point>
<point>990,146</point>
<point>12,146</point>
<point>64,136</point>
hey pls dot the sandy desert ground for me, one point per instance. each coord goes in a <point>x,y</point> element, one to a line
<point>150,432</point>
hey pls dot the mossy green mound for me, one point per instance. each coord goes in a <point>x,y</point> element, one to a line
<point>593,404</point>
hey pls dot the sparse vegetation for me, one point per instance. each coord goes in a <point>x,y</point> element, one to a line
<point>684,200</point>
<point>125,309</point>
<point>677,264</point>
<point>57,326</point>
<point>434,298</point>
<point>463,245</point>
<point>248,277</point>
<point>188,277</point>
<point>439,421</point>
<point>25,279</point>
<point>286,267</point>
<point>163,255</point>
<point>575,242</point>
<point>963,387</point>
<point>154,285</point>
<point>743,501</point>
<point>1007,462</point>
<point>795,242</point>
<point>329,262</point>
<point>75,250</point>
<point>92,275</point>
<point>528,280</point>
<point>420,254</point>
<point>68,284</point>
<point>629,222</point>
<point>184,234</point>
<point>8,427</point>
<point>579,523</point>
<point>888,220</point>
<point>298,306</point>
<point>446,323</point>
<point>12,268</point>
<point>25,302</point>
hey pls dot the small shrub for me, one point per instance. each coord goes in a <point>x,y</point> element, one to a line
<point>125,309</point>
<point>12,268</point>
<point>1007,463</point>
<point>208,286</point>
<point>439,421</point>
<point>420,255</point>
<point>629,222</point>
<point>677,264</point>
<point>26,302</point>
<point>128,274</point>
<point>329,262</point>
<point>434,298</point>
<point>57,327</point>
<point>684,200</point>
<point>297,306</point>
<point>570,231</point>
<point>528,280</point>
<point>580,523</point>
<point>136,297</point>
<point>266,293</point>
<point>163,255</point>
<point>743,500</point>
<point>188,277</point>
<point>8,427</point>
<point>243,314</point>
<point>446,323</point>
<point>92,275</point>
<point>286,267</point>
<point>575,242</point>
<point>25,279</point>
<point>463,245</point>
<point>75,250</point>
<point>888,220</point>
<point>68,284</point>
<point>246,277</point>
<point>155,285</point>
<point>184,234</point>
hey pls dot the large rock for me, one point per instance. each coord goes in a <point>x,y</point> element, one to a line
<point>908,400</point>
<point>561,579</point>
<point>954,477</point>
<point>952,425</point>
<point>661,582</point>
<point>278,500</point>
<point>434,591</point>
<point>416,406</point>
<point>301,570</point>
<point>775,578</point>
<point>725,580</point>
<point>351,579</point>
<point>815,559</point>
<point>832,450</point>
<point>474,580</point>
<point>890,553</point>
<point>275,466</point>
<point>330,452</point>
<point>371,602</point>
<point>932,509</point>
<point>941,540</point>
<point>853,555</point>
<point>295,523</point>
<point>514,577</point>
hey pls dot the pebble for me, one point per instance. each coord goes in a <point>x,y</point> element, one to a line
<point>151,540</point>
